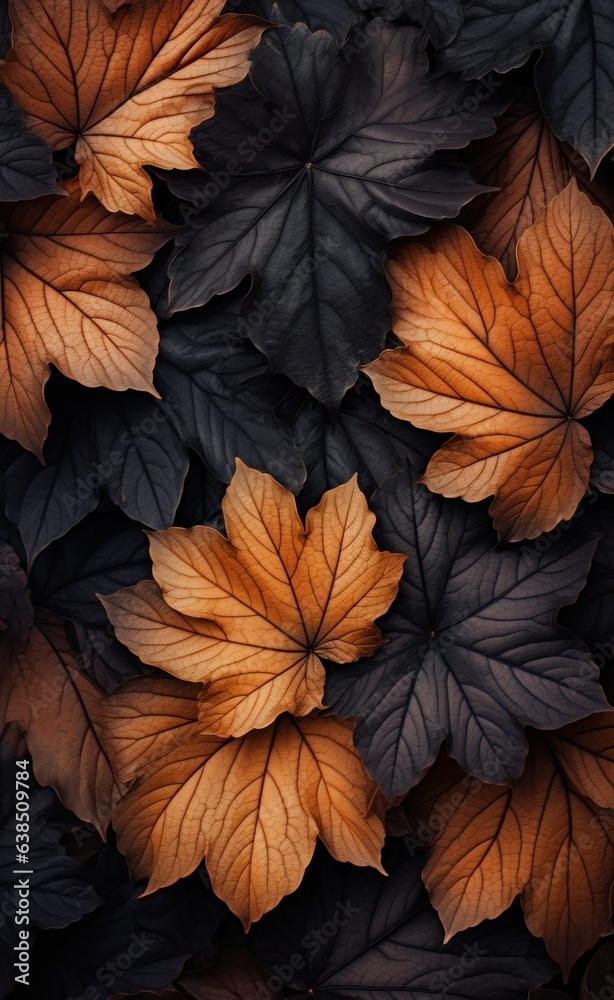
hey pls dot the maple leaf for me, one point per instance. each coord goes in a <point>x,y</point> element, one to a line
<point>511,369</point>
<point>43,691</point>
<point>67,299</point>
<point>529,166</point>
<point>127,87</point>
<point>250,615</point>
<point>574,76</point>
<point>310,184</point>
<point>253,806</point>
<point>548,838</point>
<point>361,935</point>
<point>473,651</point>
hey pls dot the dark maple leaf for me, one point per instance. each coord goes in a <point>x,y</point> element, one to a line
<point>305,188</point>
<point>473,652</point>
<point>128,943</point>
<point>574,77</point>
<point>355,933</point>
<point>61,889</point>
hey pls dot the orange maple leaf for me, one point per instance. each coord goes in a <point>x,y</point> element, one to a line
<point>511,369</point>
<point>250,615</point>
<point>549,838</point>
<point>126,87</point>
<point>253,806</point>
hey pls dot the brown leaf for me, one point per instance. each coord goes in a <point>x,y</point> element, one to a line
<point>530,166</point>
<point>67,299</point>
<point>126,87</point>
<point>511,369</point>
<point>43,691</point>
<point>253,806</point>
<point>251,614</point>
<point>549,838</point>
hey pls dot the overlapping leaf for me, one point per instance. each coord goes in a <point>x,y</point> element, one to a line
<point>104,552</point>
<point>119,445</point>
<point>43,691</point>
<point>360,437</point>
<point>305,188</point>
<point>127,944</point>
<point>548,837</point>
<point>252,806</point>
<point>529,166</point>
<point>221,391</point>
<point>473,653</point>
<point>66,299</point>
<point>386,941</point>
<point>251,615</point>
<point>510,369</point>
<point>126,88</point>
<point>61,889</point>
<point>574,76</point>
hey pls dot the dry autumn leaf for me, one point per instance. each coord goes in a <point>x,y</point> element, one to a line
<point>529,166</point>
<point>67,299</point>
<point>252,806</point>
<point>548,838</point>
<point>511,369</point>
<point>250,615</point>
<point>126,87</point>
<point>42,689</point>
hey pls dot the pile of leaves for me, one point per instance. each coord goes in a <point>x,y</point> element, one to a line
<point>307,523</point>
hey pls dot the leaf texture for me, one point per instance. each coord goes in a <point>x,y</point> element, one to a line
<point>251,616</point>
<point>510,369</point>
<point>473,653</point>
<point>67,299</point>
<point>548,837</point>
<point>253,806</point>
<point>127,88</point>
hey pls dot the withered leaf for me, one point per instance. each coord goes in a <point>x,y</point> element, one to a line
<point>511,369</point>
<point>252,806</point>
<point>67,299</point>
<point>250,616</point>
<point>549,838</point>
<point>126,87</point>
